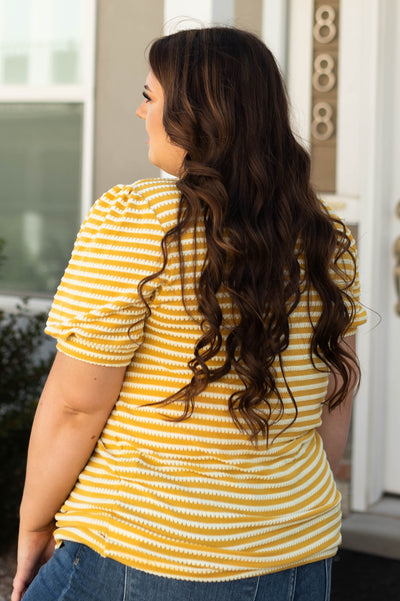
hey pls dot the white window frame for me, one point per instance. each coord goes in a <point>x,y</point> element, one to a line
<point>79,94</point>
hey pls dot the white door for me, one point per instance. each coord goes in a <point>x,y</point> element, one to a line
<point>391,155</point>
<point>368,180</point>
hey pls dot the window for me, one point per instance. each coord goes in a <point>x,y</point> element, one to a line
<point>40,174</point>
<point>46,107</point>
<point>41,42</point>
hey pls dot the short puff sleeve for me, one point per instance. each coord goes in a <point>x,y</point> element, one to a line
<point>97,315</point>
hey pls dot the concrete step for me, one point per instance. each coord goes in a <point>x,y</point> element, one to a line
<point>372,533</point>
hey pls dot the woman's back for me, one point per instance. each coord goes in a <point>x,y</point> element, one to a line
<point>197,487</point>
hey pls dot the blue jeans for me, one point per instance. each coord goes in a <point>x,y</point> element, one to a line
<point>77,573</point>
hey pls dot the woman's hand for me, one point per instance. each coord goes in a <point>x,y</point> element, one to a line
<point>34,549</point>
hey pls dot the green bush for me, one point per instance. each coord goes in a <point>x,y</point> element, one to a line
<point>24,364</point>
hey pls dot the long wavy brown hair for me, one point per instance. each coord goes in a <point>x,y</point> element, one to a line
<point>248,179</point>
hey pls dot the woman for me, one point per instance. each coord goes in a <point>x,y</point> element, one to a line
<point>205,365</point>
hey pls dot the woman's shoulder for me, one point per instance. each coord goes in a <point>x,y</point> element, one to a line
<point>155,190</point>
<point>160,195</point>
<point>157,198</point>
<point>154,185</point>
<point>150,190</point>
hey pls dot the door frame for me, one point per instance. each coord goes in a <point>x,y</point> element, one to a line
<point>376,257</point>
<point>360,189</point>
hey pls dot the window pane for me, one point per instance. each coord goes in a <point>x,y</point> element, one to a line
<point>41,42</point>
<point>40,174</point>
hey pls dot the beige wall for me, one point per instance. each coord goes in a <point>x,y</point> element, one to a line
<point>248,15</point>
<point>124,29</point>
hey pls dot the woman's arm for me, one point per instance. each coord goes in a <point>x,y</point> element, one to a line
<point>335,425</point>
<point>72,411</point>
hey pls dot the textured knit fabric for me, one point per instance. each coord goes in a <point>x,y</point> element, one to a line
<point>189,499</point>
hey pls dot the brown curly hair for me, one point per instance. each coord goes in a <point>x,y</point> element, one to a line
<point>247,177</point>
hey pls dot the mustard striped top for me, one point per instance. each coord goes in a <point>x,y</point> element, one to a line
<point>191,499</point>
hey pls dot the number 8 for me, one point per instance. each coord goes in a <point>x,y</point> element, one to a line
<point>324,78</point>
<point>322,114</point>
<point>325,20</point>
